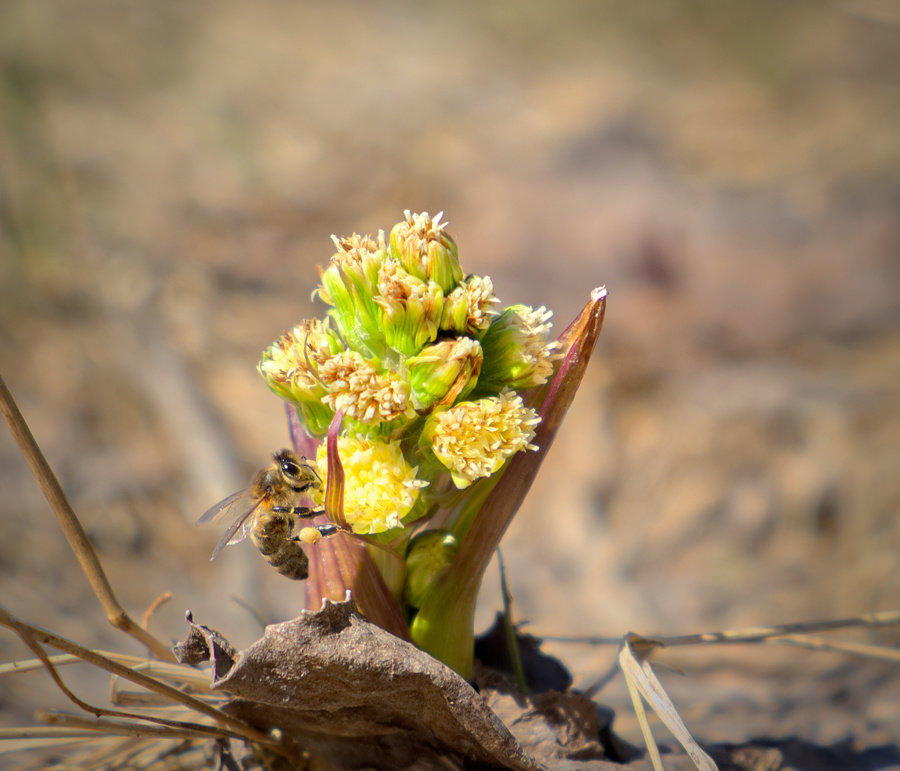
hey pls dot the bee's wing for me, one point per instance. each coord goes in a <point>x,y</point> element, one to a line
<point>214,512</point>
<point>237,531</point>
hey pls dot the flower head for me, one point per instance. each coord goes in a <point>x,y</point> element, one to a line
<point>410,308</point>
<point>468,308</point>
<point>348,285</point>
<point>474,439</point>
<point>380,487</point>
<point>425,250</point>
<point>290,368</point>
<point>444,372</point>
<point>365,391</point>
<point>517,353</point>
<point>357,259</point>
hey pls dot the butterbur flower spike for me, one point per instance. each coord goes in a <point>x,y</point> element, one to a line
<point>437,405</point>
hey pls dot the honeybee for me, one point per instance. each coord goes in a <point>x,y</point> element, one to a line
<point>268,514</point>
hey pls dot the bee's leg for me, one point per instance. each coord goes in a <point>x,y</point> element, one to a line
<point>304,512</point>
<point>315,534</point>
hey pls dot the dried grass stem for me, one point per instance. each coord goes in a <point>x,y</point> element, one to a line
<point>33,637</point>
<point>72,529</point>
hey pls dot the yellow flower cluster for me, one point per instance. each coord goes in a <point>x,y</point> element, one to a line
<point>474,439</point>
<point>380,488</point>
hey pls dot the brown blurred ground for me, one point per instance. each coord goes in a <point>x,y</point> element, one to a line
<point>171,173</point>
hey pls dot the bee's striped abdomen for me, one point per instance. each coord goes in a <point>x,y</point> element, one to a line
<point>272,536</point>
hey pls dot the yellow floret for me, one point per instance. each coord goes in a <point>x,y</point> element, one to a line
<point>380,487</point>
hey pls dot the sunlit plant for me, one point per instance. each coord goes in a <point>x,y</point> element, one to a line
<point>427,406</point>
<point>428,419</point>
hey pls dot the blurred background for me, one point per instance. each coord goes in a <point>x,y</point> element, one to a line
<point>170,174</point>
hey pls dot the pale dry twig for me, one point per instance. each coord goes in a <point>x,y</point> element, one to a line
<point>72,529</point>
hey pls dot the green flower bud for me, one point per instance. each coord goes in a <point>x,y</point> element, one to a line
<point>290,368</point>
<point>427,559</point>
<point>425,250</point>
<point>517,353</point>
<point>467,309</point>
<point>409,308</point>
<point>444,372</point>
<point>349,286</point>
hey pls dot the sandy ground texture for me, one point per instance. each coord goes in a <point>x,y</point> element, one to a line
<point>170,174</point>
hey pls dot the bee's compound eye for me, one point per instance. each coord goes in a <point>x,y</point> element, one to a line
<point>290,468</point>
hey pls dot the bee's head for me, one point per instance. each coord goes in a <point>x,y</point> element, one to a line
<point>297,471</point>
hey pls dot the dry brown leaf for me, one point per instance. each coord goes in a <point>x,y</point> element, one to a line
<point>556,727</point>
<point>348,691</point>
